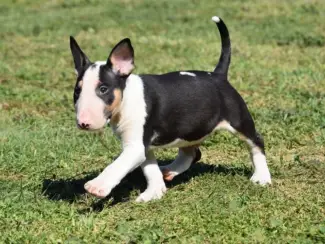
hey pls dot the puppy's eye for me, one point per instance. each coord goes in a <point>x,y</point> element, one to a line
<point>103,89</point>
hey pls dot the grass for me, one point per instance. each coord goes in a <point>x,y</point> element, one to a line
<point>278,66</point>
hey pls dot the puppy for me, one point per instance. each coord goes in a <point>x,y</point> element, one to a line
<point>177,109</point>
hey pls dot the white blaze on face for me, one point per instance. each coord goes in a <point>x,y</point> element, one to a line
<point>187,73</point>
<point>89,107</point>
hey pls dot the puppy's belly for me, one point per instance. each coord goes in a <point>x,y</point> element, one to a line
<point>178,143</point>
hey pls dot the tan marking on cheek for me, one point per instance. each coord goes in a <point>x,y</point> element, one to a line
<point>115,105</point>
<point>115,118</point>
<point>117,100</point>
<point>80,84</point>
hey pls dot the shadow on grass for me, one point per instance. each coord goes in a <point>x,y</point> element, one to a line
<point>72,189</point>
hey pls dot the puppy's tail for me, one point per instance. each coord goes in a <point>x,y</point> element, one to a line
<point>224,60</point>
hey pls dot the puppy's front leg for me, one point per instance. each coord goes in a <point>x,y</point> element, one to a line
<point>155,183</point>
<point>131,157</point>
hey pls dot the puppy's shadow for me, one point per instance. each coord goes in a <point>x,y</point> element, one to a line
<point>72,189</point>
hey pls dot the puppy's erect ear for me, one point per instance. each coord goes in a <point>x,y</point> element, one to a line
<point>121,58</point>
<point>79,58</point>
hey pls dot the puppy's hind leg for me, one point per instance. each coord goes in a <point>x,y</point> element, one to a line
<point>185,158</point>
<point>246,131</point>
<point>261,171</point>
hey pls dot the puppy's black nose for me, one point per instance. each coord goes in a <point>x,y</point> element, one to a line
<point>83,126</point>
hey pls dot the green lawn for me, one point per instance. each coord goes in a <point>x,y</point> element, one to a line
<point>278,65</point>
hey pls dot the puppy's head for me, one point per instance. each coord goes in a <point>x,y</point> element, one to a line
<point>99,88</point>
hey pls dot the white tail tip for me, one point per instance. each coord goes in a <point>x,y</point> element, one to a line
<point>216,19</point>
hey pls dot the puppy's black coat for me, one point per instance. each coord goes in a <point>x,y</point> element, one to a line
<point>177,109</point>
<point>189,108</point>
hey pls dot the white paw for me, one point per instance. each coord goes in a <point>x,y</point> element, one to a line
<point>98,187</point>
<point>153,192</point>
<point>262,178</point>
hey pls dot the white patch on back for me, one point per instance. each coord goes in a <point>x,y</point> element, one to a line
<point>187,73</point>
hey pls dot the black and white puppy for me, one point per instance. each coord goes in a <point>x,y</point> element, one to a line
<point>177,109</point>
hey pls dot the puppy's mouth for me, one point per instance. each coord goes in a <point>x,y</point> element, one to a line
<point>108,119</point>
<point>96,126</point>
<point>90,129</point>
<point>108,116</point>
